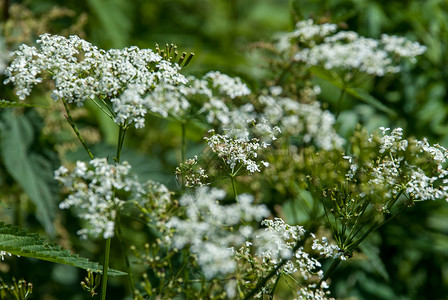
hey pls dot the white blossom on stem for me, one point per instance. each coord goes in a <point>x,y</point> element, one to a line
<point>210,228</point>
<point>95,193</point>
<point>236,150</point>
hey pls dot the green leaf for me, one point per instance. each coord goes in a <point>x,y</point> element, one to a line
<point>5,104</point>
<point>30,169</point>
<point>19,242</point>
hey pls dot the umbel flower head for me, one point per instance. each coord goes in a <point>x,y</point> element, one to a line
<point>237,151</point>
<point>97,192</point>
<point>321,45</point>
<point>211,229</point>
<point>315,125</point>
<point>81,71</point>
<point>276,246</point>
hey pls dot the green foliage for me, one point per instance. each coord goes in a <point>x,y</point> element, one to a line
<point>19,242</point>
<point>5,104</point>
<point>31,167</point>
<point>405,260</point>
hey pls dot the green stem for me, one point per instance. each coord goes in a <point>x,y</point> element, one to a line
<point>121,134</point>
<point>184,141</point>
<point>339,103</point>
<point>271,294</point>
<point>354,245</point>
<point>351,247</point>
<point>102,109</point>
<point>183,150</point>
<point>125,254</point>
<point>330,270</point>
<point>120,142</point>
<point>75,129</point>
<point>105,269</point>
<point>234,188</point>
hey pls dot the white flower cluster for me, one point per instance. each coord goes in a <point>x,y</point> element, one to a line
<point>175,100</point>
<point>219,113</point>
<point>399,167</point>
<point>326,249</point>
<point>348,51</point>
<point>277,243</point>
<point>193,174</point>
<point>210,228</point>
<point>419,185</point>
<point>94,193</point>
<point>307,32</point>
<point>81,71</point>
<point>237,150</point>
<point>312,292</point>
<point>402,47</point>
<point>277,240</point>
<point>308,120</point>
<point>232,87</point>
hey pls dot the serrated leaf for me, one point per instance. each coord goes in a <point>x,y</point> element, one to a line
<point>18,241</point>
<point>32,171</point>
<point>5,104</point>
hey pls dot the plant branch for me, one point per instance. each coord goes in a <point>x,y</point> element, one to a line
<point>105,269</point>
<point>75,129</point>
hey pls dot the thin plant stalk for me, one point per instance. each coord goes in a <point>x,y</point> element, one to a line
<point>184,141</point>
<point>340,100</point>
<point>108,241</point>
<point>105,269</point>
<point>121,135</point>
<point>125,254</point>
<point>75,129</point>
<point>183,149</point>
<point>234,188</point>
<point>353,245</point>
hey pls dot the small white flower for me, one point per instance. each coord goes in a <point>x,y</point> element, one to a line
<point>348,51</point>
<point>235,148</point>
<point>92,194</point>
<point>207,228</point>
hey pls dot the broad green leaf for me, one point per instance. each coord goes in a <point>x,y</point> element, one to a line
<point>20,242</point>
<point>30,169</point>
<point>5,103</point>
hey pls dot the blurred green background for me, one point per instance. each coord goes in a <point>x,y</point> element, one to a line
<point>407,259</point>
